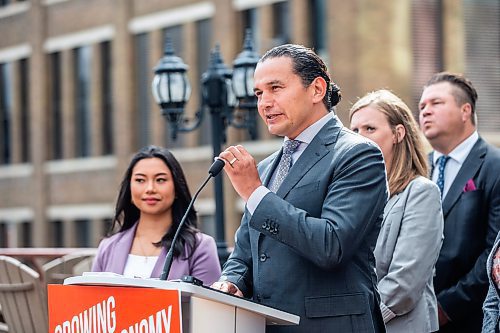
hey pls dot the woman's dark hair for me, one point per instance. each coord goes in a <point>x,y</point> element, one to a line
<point>127,214</point>
<point>308,66</point>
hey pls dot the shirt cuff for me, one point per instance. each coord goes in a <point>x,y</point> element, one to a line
<point>387,314</point>
<point>256,197</point>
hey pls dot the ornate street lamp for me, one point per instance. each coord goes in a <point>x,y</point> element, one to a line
<point>221,89</point>
<point>171,89</point>
<point>243,70</point>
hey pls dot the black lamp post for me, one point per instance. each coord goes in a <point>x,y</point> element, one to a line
<point>222,91</point>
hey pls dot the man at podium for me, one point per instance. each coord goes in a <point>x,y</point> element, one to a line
<point>313,209</point>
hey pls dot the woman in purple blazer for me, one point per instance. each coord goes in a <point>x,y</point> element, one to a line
<point>152,200</point>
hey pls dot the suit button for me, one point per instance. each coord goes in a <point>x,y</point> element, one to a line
<point>259,298</point>
<point>263,226</point>
<point>263,257</point>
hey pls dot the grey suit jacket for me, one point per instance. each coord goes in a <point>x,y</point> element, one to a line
<point>308,249</point>
<point>407,249</point>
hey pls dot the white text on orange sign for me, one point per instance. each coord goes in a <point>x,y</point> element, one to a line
<point>99,318</point>
<point>149,326</point>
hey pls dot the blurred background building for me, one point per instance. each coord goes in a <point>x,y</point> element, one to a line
<point>76,102</point>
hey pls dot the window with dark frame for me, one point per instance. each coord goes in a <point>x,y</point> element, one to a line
<point>427,45</point>
<point>55,126</point>
<point>5,113</point>
<point>204,44</point>
<point>82,229</point>
<point>57,233</point>
<point>281,23</point>
<point>250,20</point>
<point>26,238</point>
<point>142,90</point>
<point>319,39</point>
<point>83,128</point>
<point>24,111</point>
<point>106,68</point>
<point>3,234</point>
<point>482,60</point>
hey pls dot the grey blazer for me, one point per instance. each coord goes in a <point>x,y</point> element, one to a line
<point>491,305</point>
<point>406,252</point>
<point>308,249</point>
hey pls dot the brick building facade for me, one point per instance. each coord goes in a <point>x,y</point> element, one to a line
<point>76,103</point>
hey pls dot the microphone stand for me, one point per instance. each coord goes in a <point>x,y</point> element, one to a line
<point>214,170</point>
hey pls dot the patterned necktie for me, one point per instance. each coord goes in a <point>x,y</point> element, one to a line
<point>285,164</point>
<point>441,162</point>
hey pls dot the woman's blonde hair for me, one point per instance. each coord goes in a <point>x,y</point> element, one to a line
<point>409,159</point>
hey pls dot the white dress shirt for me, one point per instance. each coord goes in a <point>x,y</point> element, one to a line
<point>305,139</point>
<point>457,159</point>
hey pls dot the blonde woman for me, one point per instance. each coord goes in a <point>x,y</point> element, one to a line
<point>411,234</point>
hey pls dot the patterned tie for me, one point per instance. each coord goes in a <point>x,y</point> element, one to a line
<point>441,162</point>
<point>285,164</point>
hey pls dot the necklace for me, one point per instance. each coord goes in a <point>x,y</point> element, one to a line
<point>144,253</point>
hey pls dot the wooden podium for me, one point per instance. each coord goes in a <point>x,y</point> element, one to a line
<point>106,303</point>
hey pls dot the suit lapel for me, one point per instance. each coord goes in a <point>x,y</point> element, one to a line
<point>390,204</point>
<point>268,169</point>
<point>431,163</point>
<point>122,249</point>
<point>471,164</point>
<point>315,151</point>
<point>158,269</point>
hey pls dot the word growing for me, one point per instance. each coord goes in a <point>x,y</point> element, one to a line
<point>99,318</point>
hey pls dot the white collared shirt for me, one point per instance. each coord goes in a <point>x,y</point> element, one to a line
<point>306,136</point>
<point>457,159</point>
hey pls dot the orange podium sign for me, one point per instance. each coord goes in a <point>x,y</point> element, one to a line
<point>104,309</point>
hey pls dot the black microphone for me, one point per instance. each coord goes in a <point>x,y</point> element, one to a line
<point>214,170</point>
<point>216,167</point>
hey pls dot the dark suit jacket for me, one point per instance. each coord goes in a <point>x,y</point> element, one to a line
<point>308,249</point>
<point>471,223</point>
